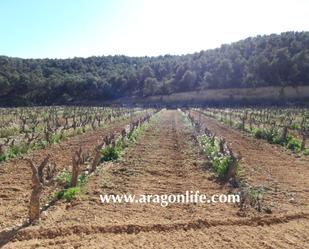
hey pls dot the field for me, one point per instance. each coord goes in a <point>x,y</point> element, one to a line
<point>261,155</point>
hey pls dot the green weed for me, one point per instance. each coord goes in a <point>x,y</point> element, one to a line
<point>293,143</point>
<point>306,152</point>
<point>7,132</point>
<point>64,178</point>
<point>68,194</point>
<point>111,153</point>
<point>219,163</point>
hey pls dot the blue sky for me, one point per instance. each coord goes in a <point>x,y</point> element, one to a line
<point>69,28</point>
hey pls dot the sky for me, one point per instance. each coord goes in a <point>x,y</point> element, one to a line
<point>82,28</point>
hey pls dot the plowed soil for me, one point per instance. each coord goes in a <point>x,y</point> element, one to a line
<point>283,175</point>
<point>15,175</point>
<point>165,159</point>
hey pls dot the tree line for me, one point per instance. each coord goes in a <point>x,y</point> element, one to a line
<point>269,60</point>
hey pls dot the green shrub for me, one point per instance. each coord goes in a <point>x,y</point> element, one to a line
<point>16,150</point>
<point>219,163</point>
<point>68,194</point>
<point>82,178</point>
<point>132,136</point>
<point>306,152</point>
<point>71,193</point>
<point>277,139</point>
<point>7,132</point>
<point>239,126</point>
<point>258,133</point>
<point>64,178</point>
<point>55,138</point>
<point>41,144</point>
<point>2,157</point>
<point>110,153</point>
<point>208,145</point>
<point>295,126</point>
<point>220,166</point>
<point>293,144</point>
<point>267,134</point>
<point>60,193</point>
<point>271,135</point>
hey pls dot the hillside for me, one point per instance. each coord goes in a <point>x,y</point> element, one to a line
<point>273,60</point>
<point>259,96</point>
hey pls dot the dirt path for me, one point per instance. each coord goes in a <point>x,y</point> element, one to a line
<point>164,160</point>
<point>283,175</point>
<point>15,175</point>
<point>277,236</point>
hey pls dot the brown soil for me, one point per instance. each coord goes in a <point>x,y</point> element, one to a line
<point>282,174</point>
<point>164,160</point>
<point>15,175</point>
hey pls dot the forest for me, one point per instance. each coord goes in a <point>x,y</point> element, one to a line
<point>269,60</point>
